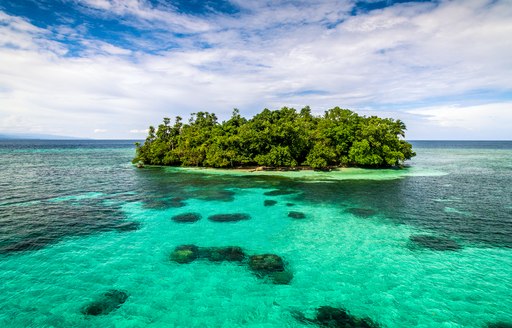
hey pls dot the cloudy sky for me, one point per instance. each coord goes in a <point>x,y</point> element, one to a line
<point>110,68</point>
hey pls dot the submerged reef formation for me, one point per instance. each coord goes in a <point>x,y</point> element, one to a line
<point>106,303</point>
<point>296,215</point>
<point>435,243</point>
<point>281,138</point>
<point>269,202</point>
<point>187,253</point>
<point>279,192</point>
<point>328,316</point>
<point>229,217</point>
<point>361,212</point>
<point>500,324</point>
<point>187,217</point>
<point>266,266</point>
<point>127,226</point>
<point>270,266</point>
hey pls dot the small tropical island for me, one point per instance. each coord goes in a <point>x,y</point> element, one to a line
<point>278,139</point>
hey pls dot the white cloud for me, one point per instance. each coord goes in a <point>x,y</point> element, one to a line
<point>269,56</point>
<point>139,131</point>
<point>100,130</point>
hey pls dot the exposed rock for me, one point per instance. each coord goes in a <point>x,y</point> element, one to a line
<point>296,215</point>
<point>229,217</point>
<point>269,202</point>
<point>186,217</point>
<point>185,254</point>
<point>435,243</point>
<point>107,303</point>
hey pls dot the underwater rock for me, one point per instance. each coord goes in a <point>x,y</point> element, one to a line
<point>186,217</point>
<point>328,316</point>
<point>177,202</point>
<point>279,192</point>
<point>107,303</point>
<point>361,212</point>
<point>218,254</point>
<point>163,203</point>
<point>127,226</point>
<point>500,325</point>
<point>29,244</point>
<point>215,195</point>
<point>435,243</point>
<point>290,204</point>
<point>229,217</point>
<point>185,254</point>
<point>270,266</point>
<point>281,277</point>
<point>269,202</point>
<point>266,263</point>
<point>296,215</point>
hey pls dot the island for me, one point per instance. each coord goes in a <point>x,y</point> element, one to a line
<point>278,139</point>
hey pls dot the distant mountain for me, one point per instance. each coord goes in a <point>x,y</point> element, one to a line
<point>18,136</point>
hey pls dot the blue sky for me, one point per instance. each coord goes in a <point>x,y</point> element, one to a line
<point>111,68</point>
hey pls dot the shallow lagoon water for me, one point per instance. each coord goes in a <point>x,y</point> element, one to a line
<point>352,249</point>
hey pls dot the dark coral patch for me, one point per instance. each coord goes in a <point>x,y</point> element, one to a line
<point>269,202</point>
<point>127,226</point>
<point>218,254</point>
<point>328,316</point>
<point>186,217</point>
<point>29,244</point>
<point>163,203</point>
<point>107,303</point>
<point>361,212</point>
<point>266,263</point>
<point>281,277</point>
<point>229,217</point>
<point>270,266</point>
<point>296,215</point>
<point>279,192</point>
<point>500,325</point>
<point>185,254</point>
<point>215,195</point>
<point>435,243</point>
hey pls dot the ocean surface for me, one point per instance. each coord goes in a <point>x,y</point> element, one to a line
<point>88,240</point>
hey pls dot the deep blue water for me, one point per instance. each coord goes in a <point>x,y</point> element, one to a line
<point>426,246</point>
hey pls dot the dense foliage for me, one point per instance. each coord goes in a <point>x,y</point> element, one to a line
<point>280,138</point>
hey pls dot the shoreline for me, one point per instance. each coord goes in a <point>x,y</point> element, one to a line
<point>309,175</point>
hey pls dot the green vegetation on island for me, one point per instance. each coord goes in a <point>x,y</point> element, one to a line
<point>279,138</point>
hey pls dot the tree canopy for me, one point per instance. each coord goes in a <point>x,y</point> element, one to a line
<point>279,138</point>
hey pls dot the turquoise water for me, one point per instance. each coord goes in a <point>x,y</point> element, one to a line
<point>77,220</point>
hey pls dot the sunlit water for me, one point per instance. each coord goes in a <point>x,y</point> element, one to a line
<point>77,220</point>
